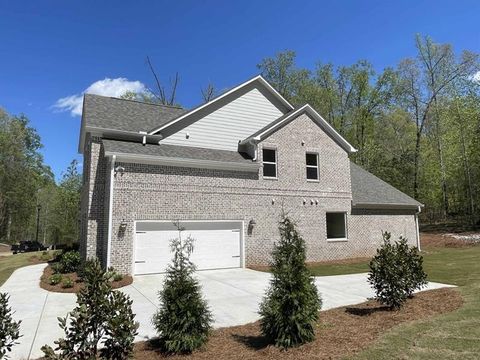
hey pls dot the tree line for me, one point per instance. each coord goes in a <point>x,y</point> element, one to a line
<point>416,125</point>
<point>32,205</point>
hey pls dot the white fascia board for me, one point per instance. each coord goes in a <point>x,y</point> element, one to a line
<point>329,129</point>
<point>256,78</point>
<point>182,162</point>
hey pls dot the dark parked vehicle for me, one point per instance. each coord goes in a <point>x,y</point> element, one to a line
<point>27,246</point>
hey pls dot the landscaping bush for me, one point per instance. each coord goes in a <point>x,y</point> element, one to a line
<point>117,277</point>
<point>183,320</point>
<point>102,318</point>
<point>55,279</point>
<point>290,308</point>
<point>69,262</point>
<point>67,283</point>
<point>9,329</point>
<point>416,277</point>
<point>396,271</point>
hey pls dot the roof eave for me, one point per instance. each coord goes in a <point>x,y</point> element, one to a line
<point>370,205</point>
<point>183,162</point>
<point>305,108</point>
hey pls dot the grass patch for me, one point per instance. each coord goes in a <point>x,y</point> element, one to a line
<point>353,266</point>
<point>8,264</point>
<point>452,336</point>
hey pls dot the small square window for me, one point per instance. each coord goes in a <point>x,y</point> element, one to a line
<point>269,163</point>
<point>336,225</point>
<point>311,160</point>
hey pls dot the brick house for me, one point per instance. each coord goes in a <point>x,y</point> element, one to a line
<point>226,169</point>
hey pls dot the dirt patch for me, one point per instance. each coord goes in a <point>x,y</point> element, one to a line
<point>34,260</point>
<point>77,282</point>
<point>449,240</point>
<point>4,248</point>
<point>340,332</point>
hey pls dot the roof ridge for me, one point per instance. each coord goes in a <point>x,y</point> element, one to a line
<point>137,101</point>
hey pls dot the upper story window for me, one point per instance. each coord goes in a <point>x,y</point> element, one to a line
<point>269,163</point>
<point>312,166</point>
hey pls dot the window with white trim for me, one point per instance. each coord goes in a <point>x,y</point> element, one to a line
<point>311,160</point>
<point>269,157</point>
<point>336,225</point>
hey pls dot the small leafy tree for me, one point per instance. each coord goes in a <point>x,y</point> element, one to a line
<point>416,277</point>
<point>396,271</point>
<point>102,318</point>
<point>183,321</point>
<point>9,329</point>
<point>290,308</point>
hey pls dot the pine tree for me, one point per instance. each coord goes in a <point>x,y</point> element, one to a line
<point>290,308</point>
<point>183,321</point>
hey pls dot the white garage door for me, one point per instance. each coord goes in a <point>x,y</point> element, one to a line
<point>217,245</point>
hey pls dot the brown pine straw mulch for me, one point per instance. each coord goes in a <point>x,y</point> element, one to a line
<point>341,332</point>
<point>77,282</point>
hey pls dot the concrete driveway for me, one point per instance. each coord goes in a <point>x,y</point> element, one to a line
<point>233,296</point>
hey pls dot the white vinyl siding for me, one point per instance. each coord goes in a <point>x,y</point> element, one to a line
<point>225,127</point>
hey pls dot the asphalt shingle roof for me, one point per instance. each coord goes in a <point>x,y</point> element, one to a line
<point>367,189</point>
<point>129,115</point>
<point>175,151</point>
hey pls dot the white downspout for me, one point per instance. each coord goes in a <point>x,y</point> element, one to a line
<point>110,207</point>
<point>417,228</point>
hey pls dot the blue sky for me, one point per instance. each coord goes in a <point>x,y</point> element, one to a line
<point>56,49</point>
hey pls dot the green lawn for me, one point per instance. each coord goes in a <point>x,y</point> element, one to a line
<point>339,269</point>
<point>8,264</point>
<point>451,336</point>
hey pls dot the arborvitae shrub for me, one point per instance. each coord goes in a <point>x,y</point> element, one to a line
<point>290,308</point>
<point>183,320</point>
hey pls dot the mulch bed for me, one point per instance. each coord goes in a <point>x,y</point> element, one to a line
<point>341,332</point>
<point>77,282</point>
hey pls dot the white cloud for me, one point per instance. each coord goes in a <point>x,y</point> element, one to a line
<point>476,77</point>
<point>107,87</point>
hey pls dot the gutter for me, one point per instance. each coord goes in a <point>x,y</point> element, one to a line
<point>419,210</point>
<point>116,134</point>
<point>196,163</point>
<point>110,208</point>
<point>384,206</point>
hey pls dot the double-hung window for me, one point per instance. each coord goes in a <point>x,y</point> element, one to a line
<point>269,163</point>
<point>312,165</point>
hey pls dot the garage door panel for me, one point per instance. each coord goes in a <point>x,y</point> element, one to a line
<point>212,249</point>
